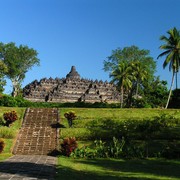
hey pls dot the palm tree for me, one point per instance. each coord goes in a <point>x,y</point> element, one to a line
<point>139,73</point>
<point>122,75</point>
<point>172,53</point>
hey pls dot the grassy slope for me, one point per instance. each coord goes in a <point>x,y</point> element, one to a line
<point>95,117</point>
<point>111,168</point>
<point>13,130</point>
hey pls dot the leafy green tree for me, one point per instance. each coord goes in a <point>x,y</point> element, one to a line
<point>175,99</point>
<point>141,68</point>
<point>155,93</point>
<point>131,54</point>
<point>18,59</point>
<point>172,53</point>
<point>122,76</point>
<point>3,70</point>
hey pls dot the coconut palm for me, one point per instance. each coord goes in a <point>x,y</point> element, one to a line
<point>139,73</point>
<point>172,53</point>
<point>122,75</point>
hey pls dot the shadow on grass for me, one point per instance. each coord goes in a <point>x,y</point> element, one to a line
<point>118,169</point>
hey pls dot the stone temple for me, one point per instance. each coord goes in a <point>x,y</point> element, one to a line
<point>73,88</point>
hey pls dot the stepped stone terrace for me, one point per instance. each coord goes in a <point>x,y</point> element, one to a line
<point>73,88</point>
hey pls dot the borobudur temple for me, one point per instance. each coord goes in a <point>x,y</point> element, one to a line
<point>73,88</point>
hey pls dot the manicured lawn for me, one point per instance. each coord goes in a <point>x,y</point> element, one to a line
<point>111,169</point>
<point>101,123</point>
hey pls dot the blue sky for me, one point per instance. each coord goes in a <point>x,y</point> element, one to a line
<point>83,33</point>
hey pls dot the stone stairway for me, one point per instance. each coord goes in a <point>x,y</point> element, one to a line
<point>39,133</point>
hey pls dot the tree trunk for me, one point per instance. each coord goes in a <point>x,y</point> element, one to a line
<point>170,90</point>
<point>176,80</point>
<point>15,87</point>
<point>122,97</point>
<point>137,89</point>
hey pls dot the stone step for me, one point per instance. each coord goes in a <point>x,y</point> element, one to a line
<point>37,135</point>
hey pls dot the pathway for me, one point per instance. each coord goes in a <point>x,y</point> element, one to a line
<point>38,134</point>
<point>37,139</point>
<point>31,167</point>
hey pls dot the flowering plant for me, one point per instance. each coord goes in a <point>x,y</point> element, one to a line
<point>70,116</point>
<point>68,146</point>
<point>10,117</point>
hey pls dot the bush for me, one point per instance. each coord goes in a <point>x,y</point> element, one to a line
<point>68,146</point>
<point>10,117</point>
<point>70,116</point>
<point>84,152</point>
<point>2,144</point>
<point>175,99</point>
<point>9,101</point>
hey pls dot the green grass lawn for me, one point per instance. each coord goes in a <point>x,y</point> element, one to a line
<point>111,169</point>
<point>101,123</point>
<point>96,124</point>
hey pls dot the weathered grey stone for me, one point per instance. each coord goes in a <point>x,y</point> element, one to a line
<point>73,88</point>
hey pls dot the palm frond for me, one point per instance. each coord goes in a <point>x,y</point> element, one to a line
<point>164,53</point>
<point>168,60</point>
<point>166,47</point>
<point>164,38</point>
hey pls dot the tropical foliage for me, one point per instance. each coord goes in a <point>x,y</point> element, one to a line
<point>68,146</point>
<point>130,68</point>
<point>123,78</point>
<point>70,116</point>
<point>172,52</point>
<point>10,117</point>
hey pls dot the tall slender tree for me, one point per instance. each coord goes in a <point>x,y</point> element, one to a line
<point>172,53</point>
<point>122,76</point>
<point>140,74</point>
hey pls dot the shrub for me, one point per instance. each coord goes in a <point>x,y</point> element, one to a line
<point>8,101</point>
<point>70,116</point>
<point>102,149</point>
<point>68,146</point>
<point>113,150</point>
<point>10,117</point>
<point>2,144</point>
<point>84,152</point>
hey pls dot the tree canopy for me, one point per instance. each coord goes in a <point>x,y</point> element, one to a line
<point>18,59</point>
<point>3,70</point>
<point>129,68</point>
<point>131,54</point>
